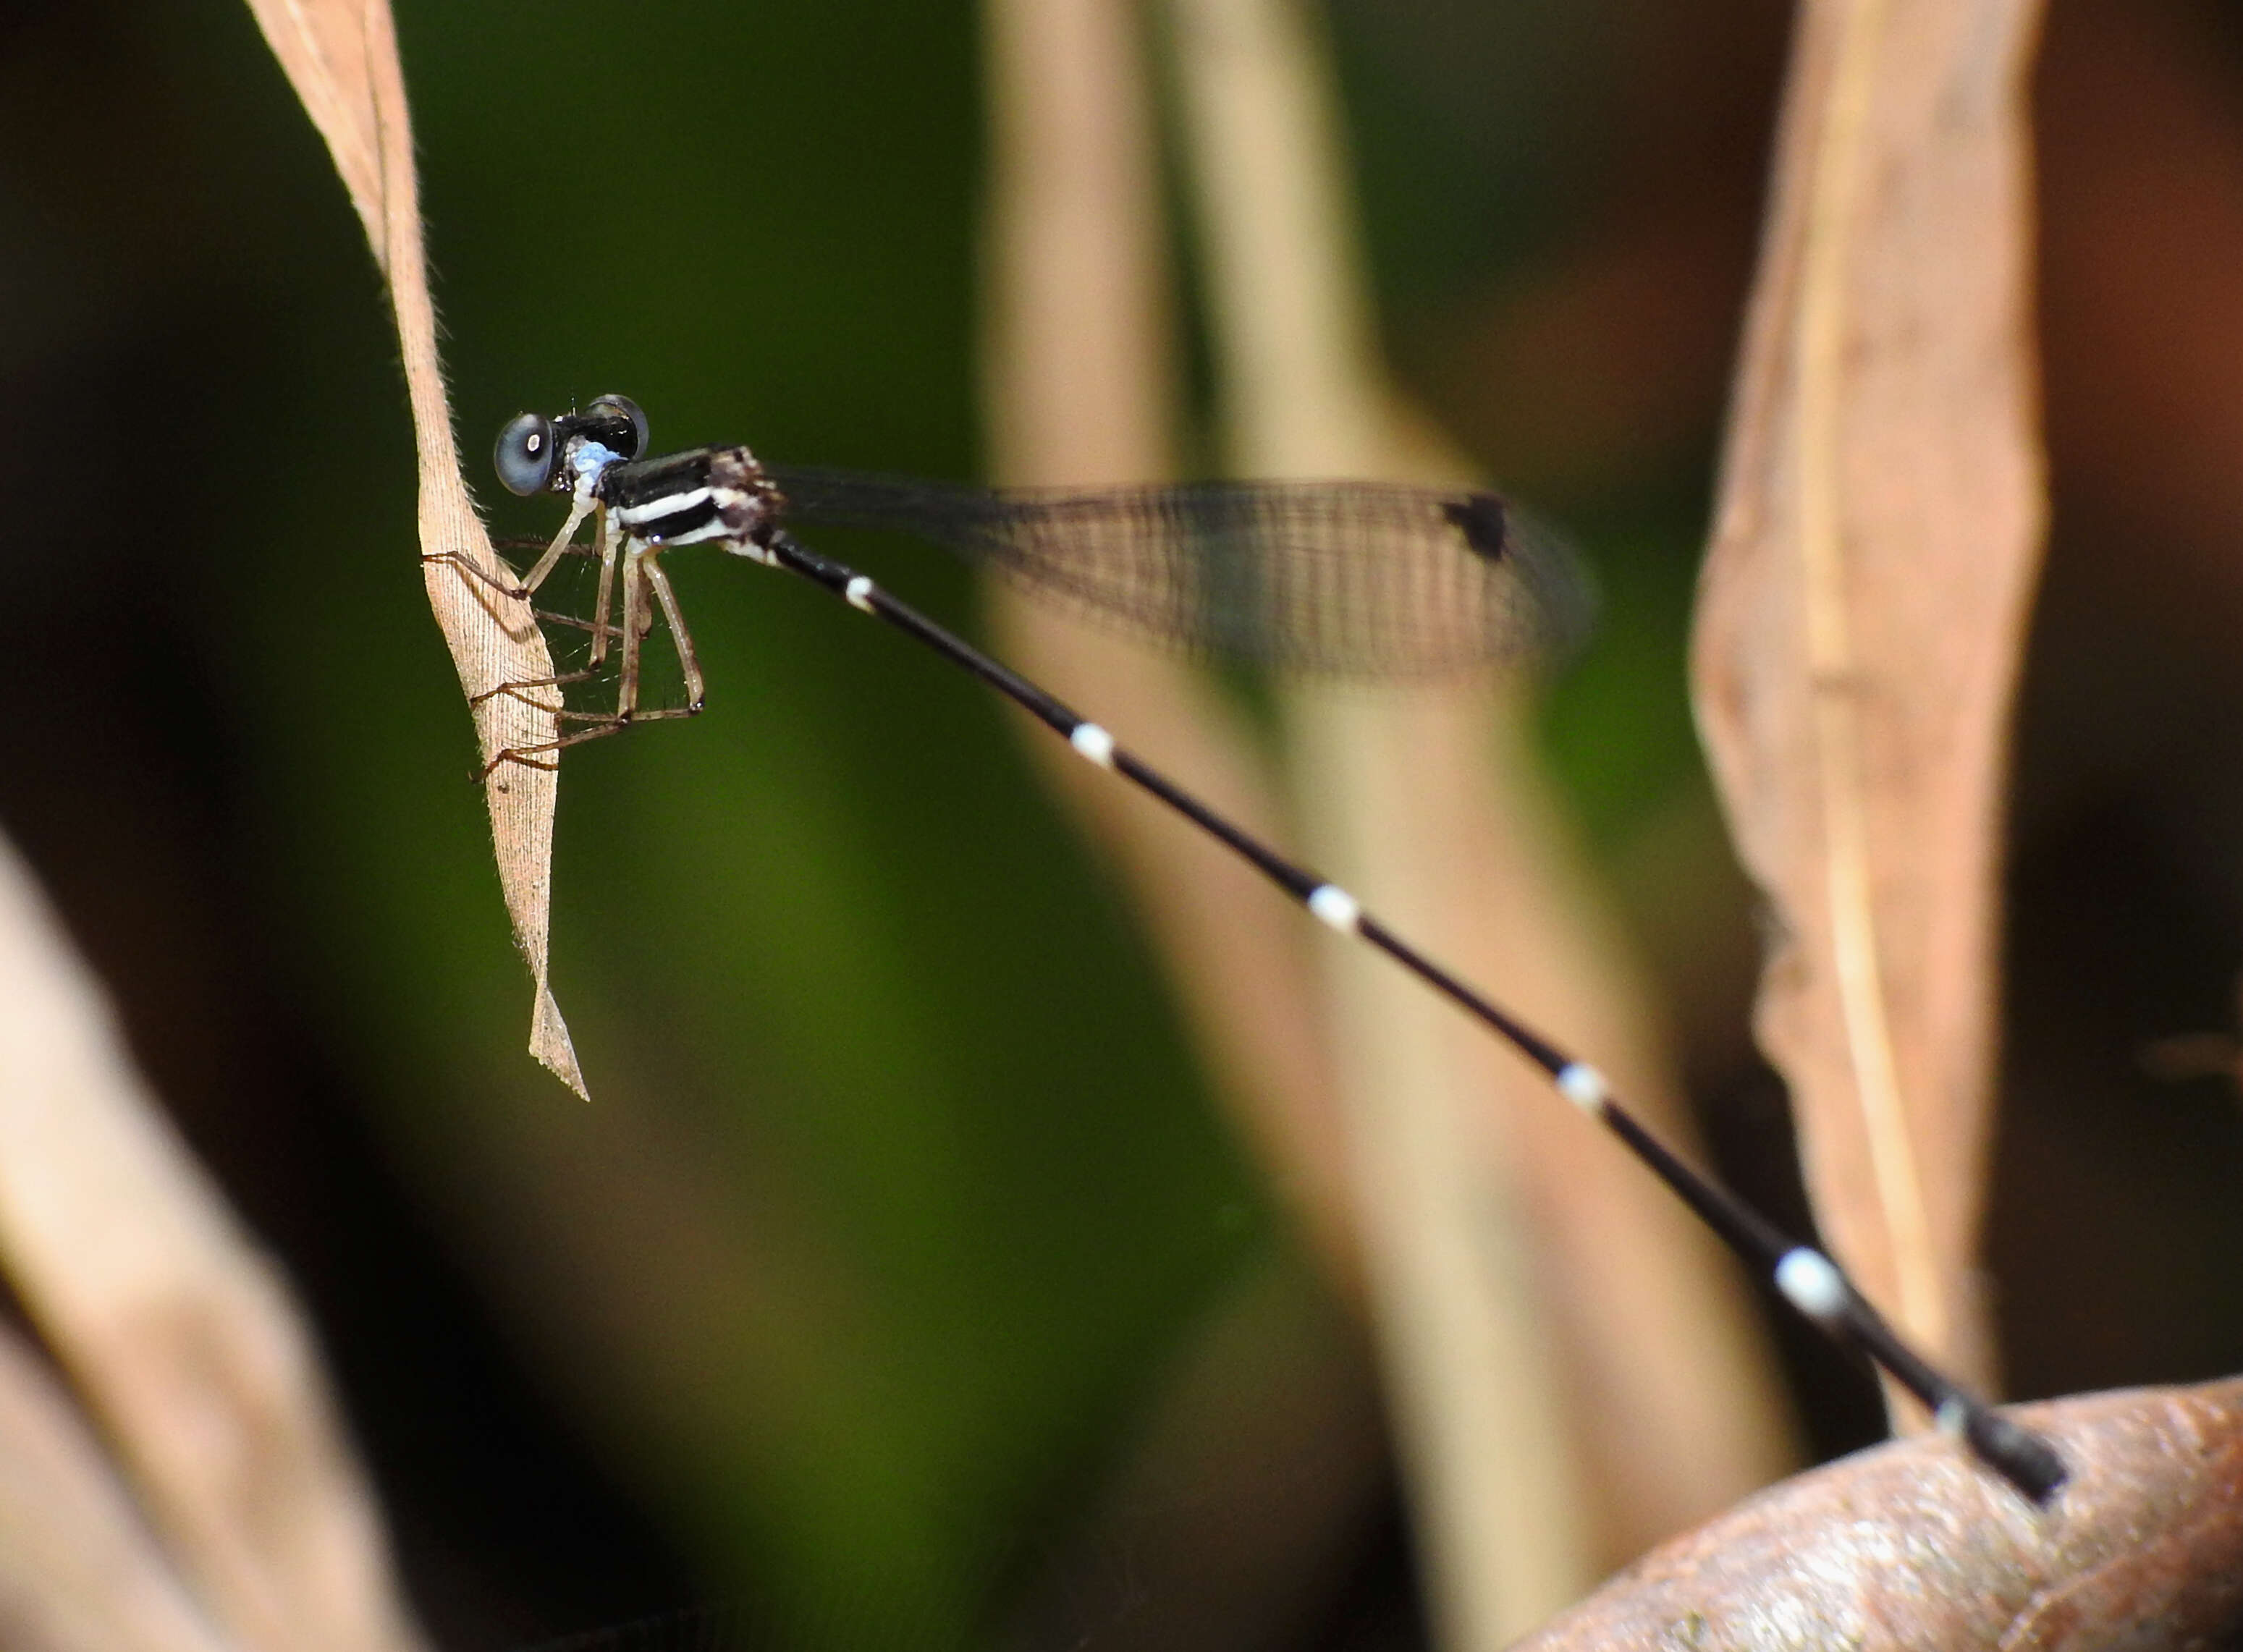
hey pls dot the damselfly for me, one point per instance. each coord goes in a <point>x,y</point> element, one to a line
<point>1354,576</point>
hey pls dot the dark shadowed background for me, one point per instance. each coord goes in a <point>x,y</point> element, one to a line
<point>900,1191</point>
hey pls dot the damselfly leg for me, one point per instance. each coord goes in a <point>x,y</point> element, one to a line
<point>645,587</point>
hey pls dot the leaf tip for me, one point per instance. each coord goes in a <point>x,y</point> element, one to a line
<point>550,1043</point>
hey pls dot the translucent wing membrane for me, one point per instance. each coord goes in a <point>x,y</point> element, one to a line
<point>1350,578</point>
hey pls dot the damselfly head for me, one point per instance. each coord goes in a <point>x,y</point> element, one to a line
<point>536,454</point>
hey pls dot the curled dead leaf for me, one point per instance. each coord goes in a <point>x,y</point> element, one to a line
<point>1915,1545</point>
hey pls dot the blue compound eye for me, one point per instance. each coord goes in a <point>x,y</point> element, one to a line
<point>525,455</point>
<point>610,411</point>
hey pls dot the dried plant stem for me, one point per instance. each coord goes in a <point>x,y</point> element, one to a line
<point>1077,376</point>
<point>1501,1513</point>
<point>1286,1457</point>
<point>177,1330</point>
<point>1417,800</point>
<point>78,1568</point>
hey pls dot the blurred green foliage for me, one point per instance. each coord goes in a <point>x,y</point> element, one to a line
<point>831,942</point>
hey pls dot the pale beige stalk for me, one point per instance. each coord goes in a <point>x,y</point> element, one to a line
<point>342,57</point>
<point>1080,391</point>
<point>1078,354</point>
<point>173,1323</point>
<point>1424,801</point>
<point>79,1570</point>
<point>1863,615</point>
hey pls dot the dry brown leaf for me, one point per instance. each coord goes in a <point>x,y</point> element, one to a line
<point>342,57</point>
<point>1915,1546</point>
<point>171,1322</point>
<point>1863,612</point>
